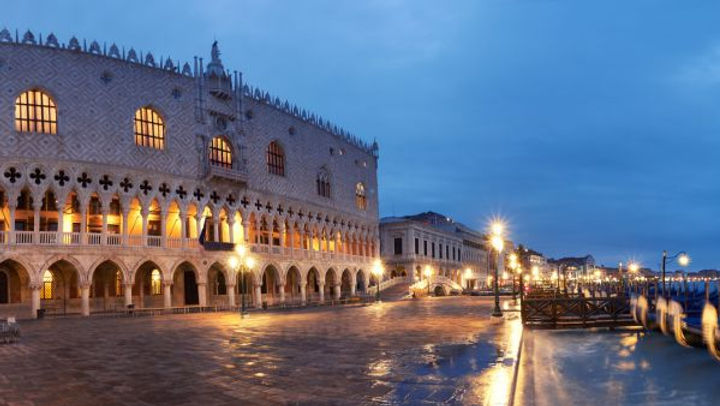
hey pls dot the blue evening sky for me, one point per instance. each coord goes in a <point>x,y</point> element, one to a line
<point>591,126</point>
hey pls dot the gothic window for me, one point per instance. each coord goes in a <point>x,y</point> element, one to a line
<point>149,128</point>
<point>47,286</point>
<point>360,199</point>
<point>323,184</point>
<point>35,112</point>
<point>220,153</point>
<point>155,282</point>
<point>275,159</point>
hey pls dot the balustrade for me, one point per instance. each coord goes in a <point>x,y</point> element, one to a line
<point>114,239</point>
<point>94,238</point>
<point>4,237</point>
<point>23,237</point>
<point>47,237</point>
<point>174,243</point>
<point>154,241</point>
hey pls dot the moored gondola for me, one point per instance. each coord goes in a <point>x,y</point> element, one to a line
<point>711,334</point>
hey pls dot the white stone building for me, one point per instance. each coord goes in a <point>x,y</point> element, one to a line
<point>450,249</point>
<point>113,163</point>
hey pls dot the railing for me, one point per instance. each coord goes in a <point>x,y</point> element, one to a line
<point>47,237</point>
<point>154,241</point>
<point>23,237</point>
<point>71,238</point>
<point>174,242</point>
<point>54,238</point>
<point>94,238</point>
<point>575,311</point>
<point>114,239</point>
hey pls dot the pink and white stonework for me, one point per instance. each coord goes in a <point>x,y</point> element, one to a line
<point>92,220</point>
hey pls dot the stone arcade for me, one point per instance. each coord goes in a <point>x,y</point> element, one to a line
<point>113,166</point>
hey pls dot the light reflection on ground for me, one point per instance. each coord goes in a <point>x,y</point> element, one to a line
<point>437,351</point>
<point>628,367</point>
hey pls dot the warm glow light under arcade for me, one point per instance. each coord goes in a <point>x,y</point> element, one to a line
<point>428,271</point>
<point>250,262</point>
<point>233,262</point>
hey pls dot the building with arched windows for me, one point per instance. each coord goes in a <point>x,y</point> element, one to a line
<point>128,180</point>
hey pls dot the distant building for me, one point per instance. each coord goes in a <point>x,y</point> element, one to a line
<point>573,266</point>
<point>410,243</point>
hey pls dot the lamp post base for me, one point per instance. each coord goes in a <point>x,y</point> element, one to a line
<point>497,314</point>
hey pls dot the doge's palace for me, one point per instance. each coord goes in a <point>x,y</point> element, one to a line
<point>128,179</point>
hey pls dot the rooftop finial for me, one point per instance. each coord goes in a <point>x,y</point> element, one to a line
<point>215,67</point>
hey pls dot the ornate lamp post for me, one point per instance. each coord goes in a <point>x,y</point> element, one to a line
<point>378,272</point>
<point>239,263</point>
<point>682,259</point>
<point>498,244</point>
<point>428,273</point>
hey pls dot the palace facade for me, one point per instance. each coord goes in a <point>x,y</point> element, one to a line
<point>126,179</point>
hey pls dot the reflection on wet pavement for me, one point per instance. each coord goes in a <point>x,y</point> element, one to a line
<point>627,367</point>
<point>425,352</point>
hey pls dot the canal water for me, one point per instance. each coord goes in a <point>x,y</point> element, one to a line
<point>622,367</point>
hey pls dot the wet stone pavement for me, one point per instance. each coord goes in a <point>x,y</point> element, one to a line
<point>423,352</point>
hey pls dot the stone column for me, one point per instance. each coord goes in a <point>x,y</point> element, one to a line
<point>336,291</point>
<point>283,235</point>
<point>103,237</point>
<point>303,294</point>
<point>231,226</point>
<point>202,293</point>
<point>198,223</point>
<point>258,296</point>
<point>291,240</point>
<point>183,228</point>
<point>83,223</point>
<point>167,295</point>
<point>35,299</point>
<point>125,227</point>
<point>163,226</point>
<point>322,291</point>
<point>145,213</point>
<point>141,291</point>
<point>230,294</point>
<point>61,222</point>
<point>12,205</point>
<point>281,287</point>
<point>85,298</point>
<point>246,229</point>
<point>36,218</point>
<point>353,283</point>
<point>127,291</point>
<point>216,226</point>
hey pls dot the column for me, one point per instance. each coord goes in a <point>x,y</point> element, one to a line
<point>127,291</point>
<point>283,235</point>
<point>35,299</point>
<point>183,228</point>
<point>291,240</point>
<point>336,290</point>
<point>257,232</point>
<point>198,223</point>
<point>281,287</point>
<point>202,293</point>
<point>230,294</point>
<point>60,226</point>
<point>163,227</point>
<point>85,297</point>
<point>12,205</point>
<point>36,218</point>
<point>145,213</point>
<point>103,237</point>
<point>231,226</point>
<point>125,226</point>
<point>83,223</point>
<point>216,226</point>
<point>322,292</point>
<point>167,295</point>
<point>258,296</point>
<point>353,283</point>
<point>141,291</point>
<point>246,229</point>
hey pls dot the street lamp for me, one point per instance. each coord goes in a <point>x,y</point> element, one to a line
<point>378,272</point>
<point>498,244</point>
<point>428,272</point>
<point>682,259</point>
<point>239,263</point>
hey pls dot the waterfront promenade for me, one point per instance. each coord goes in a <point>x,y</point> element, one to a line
<point>431,352</point>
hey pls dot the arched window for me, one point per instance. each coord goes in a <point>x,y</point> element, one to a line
<point>155,282</point>
<point>323,183</point>
<point>47,286</point>
<point>149,128</point>
<point>35,112</point>
<point>220,153</point>
<point>360,199</point>
<point>275,159</point>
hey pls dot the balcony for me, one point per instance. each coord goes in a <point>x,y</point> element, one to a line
<point>101,241</point>
<point>237,175</point>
